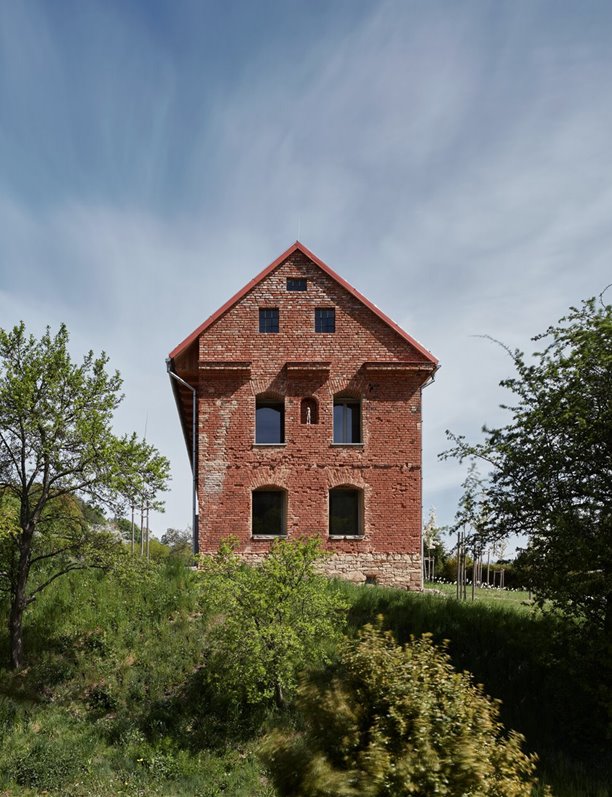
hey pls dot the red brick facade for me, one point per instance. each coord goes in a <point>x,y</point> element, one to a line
<point>366,359</point>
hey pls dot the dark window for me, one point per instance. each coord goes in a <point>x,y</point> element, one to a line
<point>269,421</point>
<point>296,284</point>
<point>345,512</point>
<point>309,411</point>
<point>269,512</point>
<point>325,319</point>
<point>347,421</point>
<point>268,319</point>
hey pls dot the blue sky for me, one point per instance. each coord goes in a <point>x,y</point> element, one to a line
<point>453,161</point>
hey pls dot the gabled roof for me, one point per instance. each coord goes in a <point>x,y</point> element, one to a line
<point>298,247</point>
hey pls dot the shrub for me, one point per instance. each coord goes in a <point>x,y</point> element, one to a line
<point>272,620</point>
<point>390,721</point>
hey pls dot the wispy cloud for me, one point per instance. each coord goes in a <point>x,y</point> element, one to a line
<point>453,163</point>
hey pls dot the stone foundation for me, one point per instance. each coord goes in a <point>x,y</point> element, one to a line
<point>401,570</point>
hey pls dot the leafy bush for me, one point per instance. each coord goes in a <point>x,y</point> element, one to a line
<point>272,620</point>
<point>545,675</point>
<point>390,721</point>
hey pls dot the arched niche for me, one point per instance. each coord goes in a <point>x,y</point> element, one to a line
<point>309,411</point>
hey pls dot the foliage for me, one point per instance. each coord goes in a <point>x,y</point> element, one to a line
<point>177,538</point>
<point>140,474</point>
<point>56,449</point>
<point>551,464</point>
<point>124,527</point>
<point>106,652</point>
<point>432,541</point>
<point>273,619</point>
<point>158,552</point>
<point>180,542</point>
<point>93,515</point>
<point>120,661</point>
<point>513,578</point>
<point>392,720</point>
<point>531,661</point>
<point>46,752</point>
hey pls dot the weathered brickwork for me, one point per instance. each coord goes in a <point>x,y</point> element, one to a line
<point>237,363</point>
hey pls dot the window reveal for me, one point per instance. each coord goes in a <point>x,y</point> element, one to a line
<point>347,421</point>
<point>269,421</point>
<point>269,513</point>
<point>345,512</point>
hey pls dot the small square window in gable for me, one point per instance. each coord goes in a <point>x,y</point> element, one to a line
<point>325,319</point>
<point>296,284</point>
<point>268,319</point>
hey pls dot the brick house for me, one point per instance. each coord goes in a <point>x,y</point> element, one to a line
<point>307,403</point>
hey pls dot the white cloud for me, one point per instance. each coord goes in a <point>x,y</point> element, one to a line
<point>455,168</point>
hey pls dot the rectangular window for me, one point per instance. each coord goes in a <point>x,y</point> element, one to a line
<point>345,513</point>
<point>269,422</point>
<point>296,284</point>
<point>325,319</point>
<point>269,513</point>
<point>347,421</point>
<point>268,319</point>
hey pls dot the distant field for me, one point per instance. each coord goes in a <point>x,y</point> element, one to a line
<point>517,599</point>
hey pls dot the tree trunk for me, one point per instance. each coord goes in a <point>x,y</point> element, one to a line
<point>279,697</point>
<point>18,605</point>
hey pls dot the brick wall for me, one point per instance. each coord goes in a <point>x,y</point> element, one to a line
<point>386,467</point>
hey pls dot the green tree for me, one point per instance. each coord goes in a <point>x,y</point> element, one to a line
<point>124,527</point>
<point>56,447</point>
<point>433,547</point>
<point>387,721</point>
<point>140,476</point>
<point>273,619</point>
<point>551,464</point>
<point>180,542</point>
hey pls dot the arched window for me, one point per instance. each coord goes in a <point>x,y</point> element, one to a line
<point>347,420</point>
<point>345,512</point>
<point>309,411</point>
<point>269,421</point>
<point>269,512</point>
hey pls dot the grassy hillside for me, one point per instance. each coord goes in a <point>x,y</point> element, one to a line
<point>114,699</point>
<point>111,659</point>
